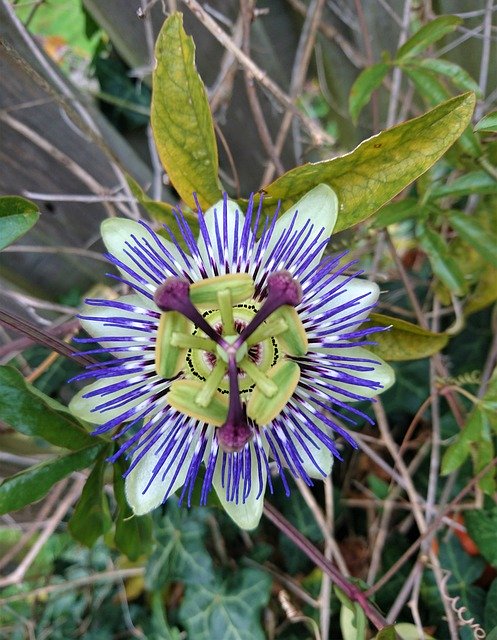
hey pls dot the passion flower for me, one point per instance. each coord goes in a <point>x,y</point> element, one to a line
<point>235,354</point>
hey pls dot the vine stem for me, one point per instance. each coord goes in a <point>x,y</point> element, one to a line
<point>351,591</point>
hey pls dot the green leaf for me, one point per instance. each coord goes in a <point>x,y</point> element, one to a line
<point>91,517</point>
<point>471,182</point>
<point>181,118</point>
<point>17,216</point>
<point>491,607</point>
<point>459,77</point>
<point>427,35</point>
<point>492,634</point>
<point>133,535</point>
<point>460,449</point>
<point>364,85</point>
<point>395,212</point>
<point>475,234</point>
<point>404,341</point>
<point>487,123</point>
<point>482,527</point>
<point>32,484</point>
<point>26,410</point>
<point>353,623</point>
<point>230,610</point>
<point>380,167</point>
<point>443,264</point>
<point>180,553</point>
<point>387,633</point>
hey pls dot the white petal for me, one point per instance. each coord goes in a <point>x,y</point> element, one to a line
<point>215,219</point>
<point>117,232</point>
<point>141,497</point>
<point>86,408</point>
<point>98,329</point>
<point>322,455</point>
<point>355,288</point>
<point>380,372</point>
<point>320,206</point>
<point>245,514</point>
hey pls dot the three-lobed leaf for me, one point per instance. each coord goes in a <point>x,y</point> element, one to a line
<point>17,216</point>
<point>380,167</point>
<point>181,118</point>
<point>404,340</point>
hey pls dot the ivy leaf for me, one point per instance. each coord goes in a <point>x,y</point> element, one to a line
<point>180,553</point>
<point>443,264</point>
<point>482,526</point>
<point>491,607</point>
<point>133,535</point>
<point>25,409</point>
<point>230,610</point>
<point>404,341</point>
<point>487,123</point>
<point>380,167</point>
<point>17,216</point>
<point>91,517</point>
<point>34,483</point>
<point>181,118</point>
<point>364,85</point>
<point>475,234</point>
<point>427,35</point>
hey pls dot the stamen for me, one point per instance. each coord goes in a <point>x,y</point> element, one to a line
<point>235,432</point>
<point>173,295</point>
<point>226,308</point>
<point>282,289</point>
<point>265,384</point>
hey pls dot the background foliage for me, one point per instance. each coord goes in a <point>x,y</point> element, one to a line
<point>412,516</point>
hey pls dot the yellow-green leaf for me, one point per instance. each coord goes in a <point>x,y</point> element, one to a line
<point>404,341</point>
<point>17,216</point>
<point>380,167</point>
<point>181,118</point>
<point>485,292</point>
<point>487,123</point>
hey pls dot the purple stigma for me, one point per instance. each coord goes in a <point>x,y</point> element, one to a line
<point>282,289</point>
<point>234,434</point>
<point>174,295</point>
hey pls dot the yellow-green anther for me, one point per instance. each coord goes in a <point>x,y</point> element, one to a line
<point>267,330</point>
<point>285,375</point>
<point>204,292</point>
<point>262,381</point>
<point>188,341</point>
<point>225,303</point>
<point>169,359</point>
<point>293,341</point>
<point>209,388</point>
<point>182,397</point>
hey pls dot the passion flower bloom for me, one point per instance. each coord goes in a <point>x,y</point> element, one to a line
<point>234,355</point>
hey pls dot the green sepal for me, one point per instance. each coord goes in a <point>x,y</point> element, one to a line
<point>183,394</point>
<point>293,341</point>
<point>260,408</point>
<point>204,292</point>
<point>169,359</point>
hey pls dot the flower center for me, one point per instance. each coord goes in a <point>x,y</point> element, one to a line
<point>231,348</point>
